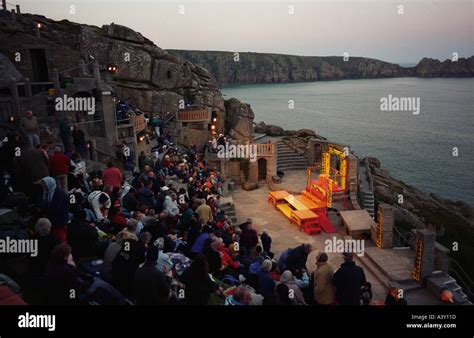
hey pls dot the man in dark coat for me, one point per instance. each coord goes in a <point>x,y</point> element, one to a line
<point>296,260</point>
<point>348,281</point>
<point>150,286</point>
<point>249,239</point>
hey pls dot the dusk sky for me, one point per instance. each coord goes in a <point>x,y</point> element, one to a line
<point>361,28</point>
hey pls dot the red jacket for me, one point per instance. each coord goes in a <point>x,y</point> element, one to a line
<point>112,176</point>
<point>227,260</point>
<point>59,164</point>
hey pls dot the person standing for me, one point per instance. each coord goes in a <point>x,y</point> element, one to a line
<point>150,286</point>
<point>79,141</point>
<point>59,168</point>
<point>249,239</point>
<point>112,176</point>
<point>29,124</point>
<point>322,281</point>
<point>157,123</point>
<point>65,132</point>
<point>205,213</point>
<point>54,205</point>
<point>348,281</point>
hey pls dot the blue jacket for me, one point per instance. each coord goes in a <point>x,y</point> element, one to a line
<point>57,211</point>
<point>198,246</point>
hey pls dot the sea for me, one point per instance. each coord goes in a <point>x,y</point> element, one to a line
<point>430,148</point>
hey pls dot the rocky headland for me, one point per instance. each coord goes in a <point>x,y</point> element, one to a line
<point>261,68</point>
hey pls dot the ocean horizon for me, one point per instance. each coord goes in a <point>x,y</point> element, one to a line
<point>418,149</point>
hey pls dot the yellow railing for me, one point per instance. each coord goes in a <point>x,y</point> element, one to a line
<point>193,115</point>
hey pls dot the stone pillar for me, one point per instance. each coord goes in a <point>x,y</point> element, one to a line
<point>15,97</point>
<point>28,91</point>
<point>4,5</point>
<point>441,260</point>
<point>272,164</point>
<point>18,9</point>
<point>96,71</point>
<point>311,151</point>
<point>14,17</point>
<point>426,263</point>
<point>385,214</point>
<point>108,108</point>
<point>82,68</point>
<point>38,31</point>
<point>56,82</point>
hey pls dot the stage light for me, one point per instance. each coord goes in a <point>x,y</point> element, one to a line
<point>39,25</point>
<point>215,119</point>
<point>11,119</point>
<point>213,127</point>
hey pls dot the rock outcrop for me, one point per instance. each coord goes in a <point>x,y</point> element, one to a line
<point>239,120</point>
<point>8,71</point>
<point>278,68</point>
<point>153,79</point>
<point>272,130</point>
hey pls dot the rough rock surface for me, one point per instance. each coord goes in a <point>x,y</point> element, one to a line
<point>239,120</point>
<point>279,68</point>
<point>153,79</point>
<point>8,71</point>
<point>272,130</point>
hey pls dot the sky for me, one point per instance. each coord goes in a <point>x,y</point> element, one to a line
<point>378,29</point>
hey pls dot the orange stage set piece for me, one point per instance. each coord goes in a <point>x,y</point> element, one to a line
<point>309,210</point>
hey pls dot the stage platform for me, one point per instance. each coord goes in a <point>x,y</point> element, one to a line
<point>305,210</point>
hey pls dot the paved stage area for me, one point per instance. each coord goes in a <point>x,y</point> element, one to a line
<point>254,205</point>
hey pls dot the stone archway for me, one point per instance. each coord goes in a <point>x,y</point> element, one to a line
<point>262,169</point>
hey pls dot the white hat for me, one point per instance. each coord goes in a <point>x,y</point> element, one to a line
<point>165,188</point>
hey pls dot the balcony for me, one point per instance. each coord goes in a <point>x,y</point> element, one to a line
<point>195,115</point>
<point>265,150</point>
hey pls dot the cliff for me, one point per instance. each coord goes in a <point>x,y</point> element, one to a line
<point>153,79</point>
<point>278,68</point>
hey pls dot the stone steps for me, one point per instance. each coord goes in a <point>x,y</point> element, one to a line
<point>439,282</point>
<point>229,211</point>
<point>288,159</point>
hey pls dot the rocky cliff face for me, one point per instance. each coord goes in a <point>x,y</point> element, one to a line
<point>277,68</point>
<point>154,80</point>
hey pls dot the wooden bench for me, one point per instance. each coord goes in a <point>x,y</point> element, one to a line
<point>285,209</point>
<point>307,221</point>
<point>277,196</point>
<point>295,203</point>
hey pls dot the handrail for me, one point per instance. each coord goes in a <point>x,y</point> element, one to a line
<point>461,276</point>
